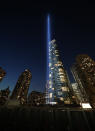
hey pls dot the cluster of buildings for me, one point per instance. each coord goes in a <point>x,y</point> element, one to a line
<point>19,95</point>
<point>59,89</point>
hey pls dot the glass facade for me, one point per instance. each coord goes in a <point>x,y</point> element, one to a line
<point>58,89</point>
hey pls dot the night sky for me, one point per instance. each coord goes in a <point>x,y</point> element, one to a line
<point>23,37</point>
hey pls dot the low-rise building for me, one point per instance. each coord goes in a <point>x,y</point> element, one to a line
<point>36,98</point>
<point>4,95</point>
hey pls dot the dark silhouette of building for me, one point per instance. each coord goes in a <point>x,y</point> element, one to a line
<point>36,98</point>
<point>2,73</point>
<point>21,89</point>
<point>4,95</point>
<point>84,73</point>
<point>78,87</point>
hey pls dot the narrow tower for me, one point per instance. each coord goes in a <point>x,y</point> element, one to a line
<point>58,86</point>
<point>57,82</point>
<point>21,89</point>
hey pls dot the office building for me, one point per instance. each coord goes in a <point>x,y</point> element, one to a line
<point>84,73</point>
<point>20,91</point>
<point>58,85</point>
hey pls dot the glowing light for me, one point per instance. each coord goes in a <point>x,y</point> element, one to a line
<point>86,105</point>
<point>61,98</point>
<point>50,95</point>
<point>50,64</point>
<point>48,45</point>
<point>64,89</point>
<point>49,75</point>
<point>53,103</point>
<point>50,82</point>
<point>48,55</point>
<point>67,102</point>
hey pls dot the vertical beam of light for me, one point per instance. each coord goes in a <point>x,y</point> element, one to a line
<point>48,40</point>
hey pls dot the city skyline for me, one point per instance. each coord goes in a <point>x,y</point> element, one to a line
<point>23,41</point>
<point>47,65</point>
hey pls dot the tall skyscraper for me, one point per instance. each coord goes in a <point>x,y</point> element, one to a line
<point>84,73</point>
<point>58,85</point>
<point>21,89</point>
<point>2,74</point>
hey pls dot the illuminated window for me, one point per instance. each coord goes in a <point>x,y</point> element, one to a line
<point>56,51</point>
<point>53,103</point>
<point>62,80</point>
<point>61,98</point>
<point>86,105</point>
<point>57,55</point>
<point>50,82</point>
<point>61,76</point>
<point>60,73</point>
<point>59,62</point>
<point>64,89</point>
<point>56,64</point>
<point>67,101</point>
<point>49,75</point>
<point>50,64</point>
<point>50,95</point>
<point>60,69</point>
<point>89,64</point>
<point>50,86</point>
<point>18,96</point>
<point>59,93</point>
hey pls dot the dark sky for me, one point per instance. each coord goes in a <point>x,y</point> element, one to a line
<point>23,37</point>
